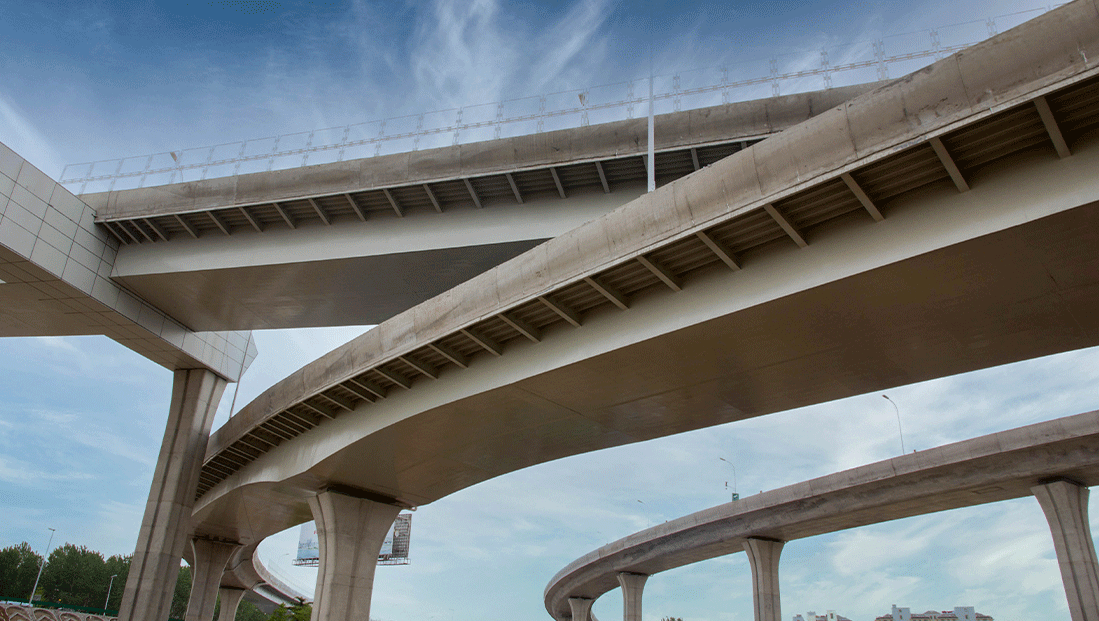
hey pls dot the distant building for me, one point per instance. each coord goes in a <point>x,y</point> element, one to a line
<point>829,616</point>
<point>960,613</point>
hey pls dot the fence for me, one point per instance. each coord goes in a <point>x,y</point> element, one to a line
<point>796,72</point>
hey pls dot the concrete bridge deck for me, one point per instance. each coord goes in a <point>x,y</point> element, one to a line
<point>943,223</point>
<point>992,468</point>
<point>357,242</point>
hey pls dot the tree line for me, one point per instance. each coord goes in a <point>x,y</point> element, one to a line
<point>77,576</point>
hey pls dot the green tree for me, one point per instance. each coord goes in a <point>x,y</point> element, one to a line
<point>18,569</point>
<point>182,593</point>
<point>75,576</point>
<point>247,611</point>
<point>297,612</point>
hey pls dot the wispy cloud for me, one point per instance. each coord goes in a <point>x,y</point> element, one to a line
<point>20,473</point>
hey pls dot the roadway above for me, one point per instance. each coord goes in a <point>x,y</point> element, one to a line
<point>357,242</point>
<point>940,224</point>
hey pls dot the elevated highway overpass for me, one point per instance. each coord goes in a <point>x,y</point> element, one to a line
<point>942,223</point>
<point>1056,461</point>
<point>356,242</point>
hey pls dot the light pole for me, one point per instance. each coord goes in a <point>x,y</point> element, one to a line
<point>736,496</point>
<point>900,431</point>
<point>30,600</point>
<point>109,585</point>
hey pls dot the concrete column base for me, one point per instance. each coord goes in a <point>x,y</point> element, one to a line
<point>230,600</point>
<point>763,556</point>
<point>632,586</point>
<point>210,560</point>
<point>350,532</point>
<point>1065,504</point>
<point>166,526</point>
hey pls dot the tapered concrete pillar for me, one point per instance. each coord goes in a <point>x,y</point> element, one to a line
<point>210,559</point>
<point>632,586</point>
<point>763,556</point>
<point>230,600</point>
<point>166,526</point>
<point>350,532</point>
<point>581,608</point>
<point>1065,504</point>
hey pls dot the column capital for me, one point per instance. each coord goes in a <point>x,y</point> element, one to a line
<point>350,532</point>
<point>581,608</point>
<point>633,584</point>
<point>763,555</point>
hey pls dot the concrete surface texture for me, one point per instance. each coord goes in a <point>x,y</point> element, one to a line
<point>356,243</point>
<point>350,532</point>
<point>210,558</point>
<point>637,325</point>
<point>166,524</point>
<point>987,469</point>
<point>763,556</point>
<point>56,270</point>
<point>1065,504</point>
<point>230,601</point>
<point>633,585</point>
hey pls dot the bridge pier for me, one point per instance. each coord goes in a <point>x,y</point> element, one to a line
<point>1065,504</point>
<point>632,586</point>
<point>581,608</point>
<point>350,532</point>
<point>763,557</point>
<point>230,600</point>
<point>210,559</point>
<point>166,525</point>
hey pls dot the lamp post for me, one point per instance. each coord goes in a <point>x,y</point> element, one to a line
<point>900,431</point>
<point>109,585</point>
<point>736,496</point>
<point>30,600</point>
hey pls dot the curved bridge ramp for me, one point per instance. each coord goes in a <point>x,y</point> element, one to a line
<point>943,223</point>
<point>992,468</point>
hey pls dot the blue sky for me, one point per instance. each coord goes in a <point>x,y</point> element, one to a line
<point>81,418</point>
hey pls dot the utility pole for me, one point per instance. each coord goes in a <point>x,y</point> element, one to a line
<point>109,585</point>
<point>899,430</point>
<point>30,600</point>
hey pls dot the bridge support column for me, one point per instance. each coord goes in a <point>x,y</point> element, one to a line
<point>230,600</point>
<point>763,556</point>
<point>166,526</point>
<point>581,608</point>
<point>632,586</point>
<point>350,532</point>
<point>1065,504</point>
<point>210,559</point>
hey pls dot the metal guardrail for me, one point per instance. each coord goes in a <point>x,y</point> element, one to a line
<point>857,63</point>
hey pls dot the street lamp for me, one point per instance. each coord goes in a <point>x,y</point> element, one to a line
<point>736,496</point>
<point>30,600</point>
<point>109,585</point>
<point>899,430</point>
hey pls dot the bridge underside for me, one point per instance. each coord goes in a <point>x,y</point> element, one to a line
<point>338,292</point>
<point>1026,291</point>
